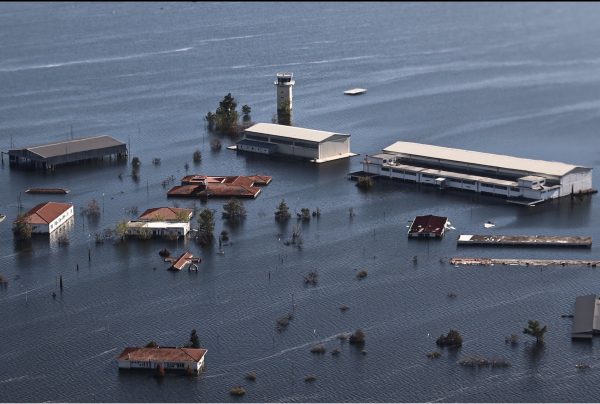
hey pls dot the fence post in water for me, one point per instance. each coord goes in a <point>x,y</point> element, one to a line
<point>89,254</point>
<point>61,283</point>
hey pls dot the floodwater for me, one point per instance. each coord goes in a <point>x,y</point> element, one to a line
<point>509,78</point>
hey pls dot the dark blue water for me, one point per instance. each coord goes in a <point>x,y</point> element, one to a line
<point>518,79</point>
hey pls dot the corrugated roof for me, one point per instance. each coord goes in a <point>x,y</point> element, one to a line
<point>428,224</point>
<point>46,212</point>
<point>74,146</point>
<point>164,213</point>
<point>309,135</point>
<point>162,354</point>
<point>485,159</point>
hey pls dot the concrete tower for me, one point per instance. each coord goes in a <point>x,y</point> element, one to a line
<point>284,84</point>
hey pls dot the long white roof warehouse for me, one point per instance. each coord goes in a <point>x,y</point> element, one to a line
<point>317,145</point>
<point>519,179</point>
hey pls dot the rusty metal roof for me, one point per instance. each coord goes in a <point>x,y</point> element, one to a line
<point>46,212</point>
<point>428,224</point>
<point>162,354</point>
<point>164,214</point>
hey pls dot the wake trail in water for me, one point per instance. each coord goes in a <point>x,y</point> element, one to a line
<point>92,61</point>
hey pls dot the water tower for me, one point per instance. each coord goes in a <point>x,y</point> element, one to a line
<point>284,84</point>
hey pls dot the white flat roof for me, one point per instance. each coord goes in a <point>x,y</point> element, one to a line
<point>484,159</point>
<point>310,135</point>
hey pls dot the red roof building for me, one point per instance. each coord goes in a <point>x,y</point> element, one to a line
<point>48,216</point>
<point>169,358</point>
<point>166,214</point>
<point>203,186</point>
<point>428,226</point>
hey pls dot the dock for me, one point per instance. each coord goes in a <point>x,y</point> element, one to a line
<point>57,191</point>
<point>523,262</point>
<point>524,241</point>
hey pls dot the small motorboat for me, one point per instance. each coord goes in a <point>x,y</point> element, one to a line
<point>2,217</point>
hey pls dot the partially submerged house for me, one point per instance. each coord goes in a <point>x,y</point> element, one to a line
<point>186,259</point>
<point>169,358</point>
<point>47,217</point>
<point>586,321</point>
<point>315,145</point>
<point>161,222</point>
<point>48,156</point>
<point>428,226</point>
<point>204,186</point>
<point>518,180</point>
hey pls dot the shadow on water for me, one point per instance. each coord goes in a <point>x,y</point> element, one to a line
<point>534,352</point>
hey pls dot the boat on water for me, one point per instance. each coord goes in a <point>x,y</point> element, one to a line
<point>355,91</point>
<point>60,191</point>
<point>2,217</point>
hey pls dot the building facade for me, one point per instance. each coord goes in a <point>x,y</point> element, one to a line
<point>161,222</point>
<point>47,217</point>
<point>314,145</point>
<point>519,180</point>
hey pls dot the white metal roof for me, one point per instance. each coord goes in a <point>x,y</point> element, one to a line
<point>485,159</point>
<point>310,135</point>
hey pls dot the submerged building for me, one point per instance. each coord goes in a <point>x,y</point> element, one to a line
<point>429,226</point>
<point>50,155</point>
<point>161,222</point>
<point>519,180</point>
<point>47,217</point>
<point>315,145</point>
<point>586,321</point>
<point>167,358</point>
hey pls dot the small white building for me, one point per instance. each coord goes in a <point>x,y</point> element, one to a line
<point>170,358</point>
<point>315,145</point>
<point>161,222</point>
<point>519,180</point>
<point>47,217</point>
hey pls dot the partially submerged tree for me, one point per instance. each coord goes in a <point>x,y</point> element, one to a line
<point>121,229</point>
<point>283,212</point>
<point>215,145</point>
<point>92,210</point>
<point>225,119</point>
<point>197,157</point>
<point>22,229</point>
<point>364,182</point>
<point>234,210</point>
<point>452,339</point>
<point>304,214</point>
<point>535,329</point>
<point>206,226</point>
<point>358,337</point>
<point>194,340</point>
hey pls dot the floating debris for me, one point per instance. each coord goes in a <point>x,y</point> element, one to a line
<point>488,224</point>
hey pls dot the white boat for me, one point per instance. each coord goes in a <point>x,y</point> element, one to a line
<point>2,217</point>
<point>355,91</point>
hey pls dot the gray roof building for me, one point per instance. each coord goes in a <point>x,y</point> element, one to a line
<point>586,321</point>
<point>53,154</point>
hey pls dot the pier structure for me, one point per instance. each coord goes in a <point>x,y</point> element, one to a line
<point>524,262</point>
<point>524,241</point>
<point>518,180</point>
<point>48,156</point>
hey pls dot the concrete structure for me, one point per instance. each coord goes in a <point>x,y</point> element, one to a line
<point>47,217</point>
<point>519,180</point>
<point>169,358</point>
<point>161,222</point>
<point>314,145</point>
<point>428,226</point>
<point>284,84</point>
<point>525,241</point>
<point>50,155</point>
<point>204,186</point>
<point>586,321</point>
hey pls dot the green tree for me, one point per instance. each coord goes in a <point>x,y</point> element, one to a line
<point>234,210</point>
<point>206,226</point>
<point>22,228</point>
<point>534,329</point>
<point>283,212</point>
<point>194,340</point>
<point>453,339</point>
<point>121,229</point>
<point>182,216</point>
<point>246,111</point>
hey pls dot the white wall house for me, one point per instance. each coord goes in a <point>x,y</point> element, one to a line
<point>47,217</point>
<point>517,179</point>
<point>170,358</point>
<point>314,145</point>
<point>161,222</point>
